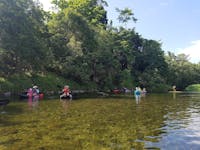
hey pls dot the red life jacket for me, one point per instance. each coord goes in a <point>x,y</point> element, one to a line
<point>66,91</point>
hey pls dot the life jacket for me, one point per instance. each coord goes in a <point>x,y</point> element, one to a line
<point>66,91</point>
<point>30,92</point>
<point>137,92</point>
<point>35,92</point>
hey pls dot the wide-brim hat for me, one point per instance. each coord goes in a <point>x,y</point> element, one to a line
<point>35,87</point>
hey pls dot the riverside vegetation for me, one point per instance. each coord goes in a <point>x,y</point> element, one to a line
<point>77,45</point>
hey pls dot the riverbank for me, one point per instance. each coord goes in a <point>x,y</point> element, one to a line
<point>176,91</point>
<point>188,92</point>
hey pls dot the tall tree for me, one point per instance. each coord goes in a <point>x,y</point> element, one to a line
<point>21,32</point>
<point>71,39</point>
<point>125,15</point>
<point>181,72</point>
<point>92,10</point>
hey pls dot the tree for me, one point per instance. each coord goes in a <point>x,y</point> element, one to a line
<point>181,72</point>
<point>92,10</point>
<point>149,60</point>
<point>125,15</point>
<point>21,32</point>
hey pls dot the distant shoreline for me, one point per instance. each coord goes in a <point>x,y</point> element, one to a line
<point>176,91</point>
<point>192,92</point>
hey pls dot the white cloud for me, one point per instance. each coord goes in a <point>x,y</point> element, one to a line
<point>193,51</point>
<point>164,4</point>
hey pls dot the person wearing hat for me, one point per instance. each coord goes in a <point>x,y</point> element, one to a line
<point>66,93</point>
<point>35,93</point>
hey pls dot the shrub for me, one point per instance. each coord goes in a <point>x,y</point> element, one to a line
<point>193,87</point>
<point>158,88</point>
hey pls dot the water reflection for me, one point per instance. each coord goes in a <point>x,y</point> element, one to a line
<point>33,104</point>
<point>65,105</point>
<point>137,99</point>
<point>174,95</point>
<point>181,128</point>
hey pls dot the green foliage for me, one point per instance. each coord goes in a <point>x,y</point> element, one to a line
<point>5,85</point>
<point>75,45</point>
<point>22,39</point>
<point>150,57</point>
<point>193,88</point>
<point>125,15</point>
<point>127,79</point>
<point>182,72</point>
<point>16,83</point>
<point>152,81</point>
<point>46,82</point>
<point>92,10</point>
<point>159,88</point>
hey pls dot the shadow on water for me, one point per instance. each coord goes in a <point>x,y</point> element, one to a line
<point>13,109</point>
<point>16,107</point>
<point>9,111</point>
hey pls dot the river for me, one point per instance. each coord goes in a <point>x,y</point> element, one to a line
<point>156,121</point>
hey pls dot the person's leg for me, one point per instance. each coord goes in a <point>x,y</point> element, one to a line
<point>70,97</point>
<point>62,95</point>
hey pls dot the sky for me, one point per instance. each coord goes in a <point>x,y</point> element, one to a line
<point>174,23</point>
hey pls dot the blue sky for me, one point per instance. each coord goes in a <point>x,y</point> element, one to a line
<point>175,23</point>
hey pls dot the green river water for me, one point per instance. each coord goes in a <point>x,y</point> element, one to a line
<point>157,121</point>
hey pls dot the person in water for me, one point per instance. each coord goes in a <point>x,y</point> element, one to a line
<point>137,93</point>
<point>30,93</point>
<point>36,92</point>
<point>66,93</point>
<point>143,92</point>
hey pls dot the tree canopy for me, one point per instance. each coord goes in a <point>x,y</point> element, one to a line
<point>76,44</point>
